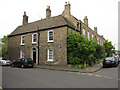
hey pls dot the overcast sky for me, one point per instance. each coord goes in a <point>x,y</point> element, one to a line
<point>101,13</point>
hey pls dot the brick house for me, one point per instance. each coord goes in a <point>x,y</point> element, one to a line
<point>45,40</point>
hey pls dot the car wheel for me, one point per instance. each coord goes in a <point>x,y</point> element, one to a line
<point>116,65</point>
<point>104,66</point>
<point>12,65</point>
<point>22,66</point>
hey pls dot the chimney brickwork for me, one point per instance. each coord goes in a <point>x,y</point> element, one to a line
<point>86,20</point>
<point>25,19</point>
<point>48,12</point>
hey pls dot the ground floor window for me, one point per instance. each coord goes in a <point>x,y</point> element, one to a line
<point>22,54</point>
<point>50,54</point>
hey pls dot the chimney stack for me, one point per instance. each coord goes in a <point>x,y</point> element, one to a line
<point>66,13</point>
<point>48,12</point>
<point>95,29</point>
<point>67,8</point>
<point>25,18</point>
<point>86,20</point>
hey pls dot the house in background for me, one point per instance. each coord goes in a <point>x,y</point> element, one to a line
<point>45,40</point>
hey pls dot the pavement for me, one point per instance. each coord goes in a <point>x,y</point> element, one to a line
<point>89,69</point>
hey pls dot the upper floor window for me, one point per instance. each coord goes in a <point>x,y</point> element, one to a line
<point>34,38</point>
<point>98,40</point>
<point>50,54</point>
<point>92,36</point>
<point>22,54</point>
<point>83,31</point>
<point>88,36</point>
<point>23,40</point>
<point>50,36</point>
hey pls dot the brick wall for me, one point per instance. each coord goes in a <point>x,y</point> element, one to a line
<point>59,45</point>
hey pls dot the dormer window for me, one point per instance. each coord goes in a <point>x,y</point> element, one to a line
<point>50,36</point>
<point>22,40</point>
<point>34,38</point>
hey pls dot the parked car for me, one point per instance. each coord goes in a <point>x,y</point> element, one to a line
<point>117,57</point>
<point>5,61</point>
<point>23,62</point>
<point>110,61</point>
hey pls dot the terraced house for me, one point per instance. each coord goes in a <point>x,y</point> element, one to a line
<point>45,40</point>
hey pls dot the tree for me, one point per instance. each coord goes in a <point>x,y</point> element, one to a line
<point>4,45</point>
<point>81,50</point>
<point>109,48</point>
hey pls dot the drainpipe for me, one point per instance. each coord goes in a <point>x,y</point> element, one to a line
<point>38,45</point>
<point>80,28</point>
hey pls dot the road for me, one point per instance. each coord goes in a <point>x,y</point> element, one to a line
<point>41,78</point>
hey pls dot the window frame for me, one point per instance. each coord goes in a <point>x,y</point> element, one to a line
<point>48,55</point>
<point>32,38</point>
<point>49,37</point>
<point>22,54</point>
<point>22,40</point>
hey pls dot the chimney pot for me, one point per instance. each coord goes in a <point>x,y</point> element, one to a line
<point>65,3</point>
<point>48,7</point>
<point>85,17</point>
<point>24,13</point>
<point>68,2</point>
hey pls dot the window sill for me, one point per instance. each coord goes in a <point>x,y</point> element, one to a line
<point>34,42</point>
<point>22,44</point>
<point>50,60</point>
<point>50,41</point>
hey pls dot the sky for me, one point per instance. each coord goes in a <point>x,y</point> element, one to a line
<point>102,14</point>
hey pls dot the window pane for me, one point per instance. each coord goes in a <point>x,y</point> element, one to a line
<point>50,54</point>
<point>23,39</point>
<point>22,54</point>
<point>34,37</point>
<point>88,36</point>
<point>51,35</point>
<point>92,36</point>
<point>84,31</point>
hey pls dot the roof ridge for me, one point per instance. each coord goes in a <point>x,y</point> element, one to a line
<point>39,20</point>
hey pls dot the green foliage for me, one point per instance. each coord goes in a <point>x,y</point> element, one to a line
<point>109,48</point>
<point>5,45</point>
<point>81,50</point>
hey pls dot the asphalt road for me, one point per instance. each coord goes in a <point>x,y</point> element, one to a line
<point>41,78</point>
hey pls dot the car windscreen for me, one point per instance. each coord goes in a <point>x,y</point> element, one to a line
<point>4,59</point>
<point>110,58</point>
<point>116,58</point>
<point>28,59</point>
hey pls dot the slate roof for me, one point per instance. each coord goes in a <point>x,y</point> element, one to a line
<point>42,24</point>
